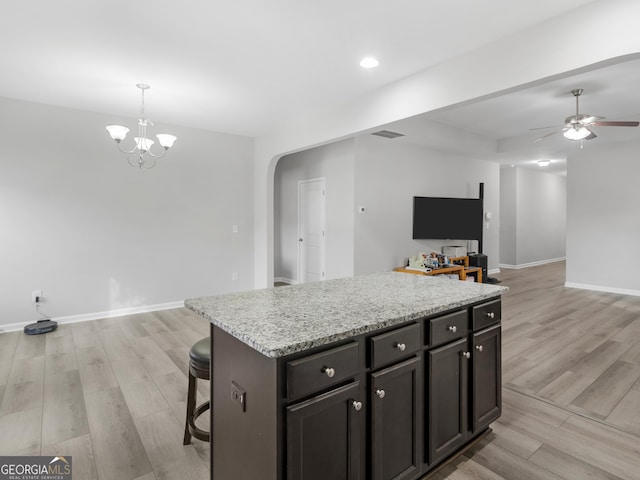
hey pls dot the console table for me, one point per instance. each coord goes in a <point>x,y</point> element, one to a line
<point>461,270</point>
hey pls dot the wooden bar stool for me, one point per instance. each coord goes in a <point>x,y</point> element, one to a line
<point>199,363</point>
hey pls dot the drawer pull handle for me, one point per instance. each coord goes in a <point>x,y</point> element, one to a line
<point>357,406</point>
<point>491,315</point>
<point>479,348</point>
<point>466,355</point>
<point>453,328</point>
<point>380,393</point>
<point>328,371</point>
<point>401,346</point>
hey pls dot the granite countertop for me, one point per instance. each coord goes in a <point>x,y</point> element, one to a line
<point>284,320</point>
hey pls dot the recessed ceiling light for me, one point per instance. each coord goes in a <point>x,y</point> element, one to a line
<point>369,62</point>
<point>544,163</point>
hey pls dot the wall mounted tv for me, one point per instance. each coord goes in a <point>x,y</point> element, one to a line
<point>447,218</point>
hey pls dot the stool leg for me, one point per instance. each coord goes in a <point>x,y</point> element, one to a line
<point>191,406</point>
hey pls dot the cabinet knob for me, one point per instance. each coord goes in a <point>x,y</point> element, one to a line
<point>357,406</point>
<point>401,346</point>
<point>491,315</point>
<point>453,328</point>
<point>466,355</point>
<point>479,348</point>
<point>328,371</point>
<point>380,393</point>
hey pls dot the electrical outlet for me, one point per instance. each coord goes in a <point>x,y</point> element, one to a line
<point>234,276</point>
<point>239,395</point>
<point>36,296</point>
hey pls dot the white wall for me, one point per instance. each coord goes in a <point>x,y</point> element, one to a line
<point>334,162</point>
<point>533,217</point>
<point>603,224</point>
<point>389,173</point>
<point>97,235</point>
<point>508,216</point>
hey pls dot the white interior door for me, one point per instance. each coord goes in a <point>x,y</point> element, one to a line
<point>311,230</point>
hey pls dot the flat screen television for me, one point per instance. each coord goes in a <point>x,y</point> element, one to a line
<point>440,218</point>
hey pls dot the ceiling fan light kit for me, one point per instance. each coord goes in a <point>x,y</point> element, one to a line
<point>576,127</point>
<point>137,156</point>
<point>577,133</point>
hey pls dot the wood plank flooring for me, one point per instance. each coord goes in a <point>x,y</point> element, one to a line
<point>112,392</point>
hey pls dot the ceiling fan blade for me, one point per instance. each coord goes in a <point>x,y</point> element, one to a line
<point>549,134</point>
<point>614,123</point>
<point>591,119</point>
<point>591,136</point>
<point>544,128</point>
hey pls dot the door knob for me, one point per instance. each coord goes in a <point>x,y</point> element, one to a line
<point>328,371</point>
<point>479,348</point>
<point>453,328</point>
<point>357,406</point>
<point>380,393</point>
<point>401,346</point>
<point>466,355</point>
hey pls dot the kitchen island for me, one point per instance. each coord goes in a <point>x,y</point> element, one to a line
<point>377,376</point>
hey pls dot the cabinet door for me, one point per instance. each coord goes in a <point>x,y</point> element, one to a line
<point>446,407</point>
<point>396,437</point>
<point>486,378</point>
<point>324,436</point>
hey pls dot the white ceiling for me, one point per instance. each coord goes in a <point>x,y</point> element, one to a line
<point>508,119</point>
<point>241,66</point>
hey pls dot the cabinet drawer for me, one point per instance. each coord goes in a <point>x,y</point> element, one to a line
<point>322,370</point>
<point>447,328</point>
<point>391,346</point>
<point>486,314</point>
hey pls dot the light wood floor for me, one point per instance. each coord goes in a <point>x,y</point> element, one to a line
<point>571,388</point>
<point>112,393</point>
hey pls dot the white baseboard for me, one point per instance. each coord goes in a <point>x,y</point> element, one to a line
<point>532,264</point>
<point>12,327</point>
<point>285,280</point>
<point>600,288</point>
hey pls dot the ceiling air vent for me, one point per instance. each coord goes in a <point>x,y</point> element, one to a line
<point>388,134</point>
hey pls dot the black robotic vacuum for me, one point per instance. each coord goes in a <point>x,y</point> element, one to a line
<point>41,326</point>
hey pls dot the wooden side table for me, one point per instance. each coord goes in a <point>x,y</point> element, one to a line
<point>461,270</point>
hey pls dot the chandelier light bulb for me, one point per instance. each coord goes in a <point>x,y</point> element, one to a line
<point>143,144</point>
<point>166,140</point>
<point>117,132</point>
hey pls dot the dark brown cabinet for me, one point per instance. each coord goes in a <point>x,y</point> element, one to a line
<point>486,378</point>
<point>324,436</point>
<point>395,404</point>
<point>463,379</point>
<point>446,399</point>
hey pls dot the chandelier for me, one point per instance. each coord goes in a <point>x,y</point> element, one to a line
<point>141,155</point>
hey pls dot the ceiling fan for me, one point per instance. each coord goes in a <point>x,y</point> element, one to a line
<point>576,127</point>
